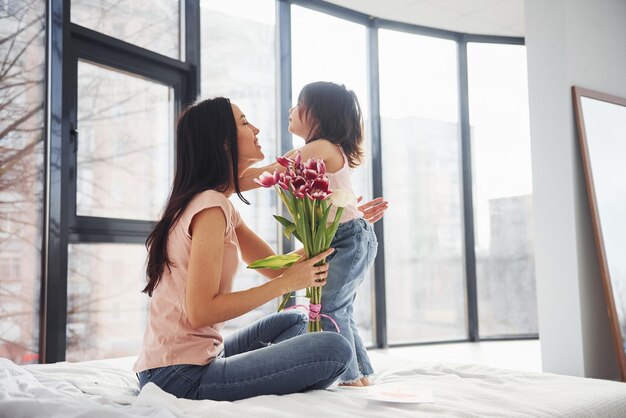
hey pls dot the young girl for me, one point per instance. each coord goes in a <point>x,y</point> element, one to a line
<point>193,257</point>
<point>328,117</point>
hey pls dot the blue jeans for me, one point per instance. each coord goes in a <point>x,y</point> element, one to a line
<point>270,357</point>
<point>355,247</point>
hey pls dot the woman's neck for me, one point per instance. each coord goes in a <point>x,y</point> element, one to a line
<point>231,189</point>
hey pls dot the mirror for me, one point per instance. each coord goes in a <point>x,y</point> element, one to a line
<point>601,122</point>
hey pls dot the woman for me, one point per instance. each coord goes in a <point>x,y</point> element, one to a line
<point>193,256</point>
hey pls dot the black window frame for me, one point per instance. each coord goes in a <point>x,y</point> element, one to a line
<point>373,24</point>
<point>67,43</point>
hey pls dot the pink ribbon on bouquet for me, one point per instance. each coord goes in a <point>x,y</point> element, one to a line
<point>314,313</point>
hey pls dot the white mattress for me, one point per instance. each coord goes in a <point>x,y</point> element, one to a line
<point>108,388</point>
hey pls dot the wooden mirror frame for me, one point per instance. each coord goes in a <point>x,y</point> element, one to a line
<point>577,94</point>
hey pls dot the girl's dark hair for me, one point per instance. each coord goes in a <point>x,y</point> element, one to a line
<point>206,158</point>
<point>334,113</point>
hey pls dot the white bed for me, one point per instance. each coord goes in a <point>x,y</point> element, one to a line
<point>108,388</point>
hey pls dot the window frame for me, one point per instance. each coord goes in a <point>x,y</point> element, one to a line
<point>67,43</point>
<point>372,25</point>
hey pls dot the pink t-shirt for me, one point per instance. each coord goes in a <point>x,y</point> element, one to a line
<point>169,338</point>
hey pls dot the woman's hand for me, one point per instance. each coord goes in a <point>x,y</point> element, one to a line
<point>304,273</point>
<point>373,210</point>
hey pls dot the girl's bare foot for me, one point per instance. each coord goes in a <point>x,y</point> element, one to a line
<point>365,381</point>
<point>357,384</point>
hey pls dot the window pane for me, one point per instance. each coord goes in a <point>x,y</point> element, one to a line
<point>22,74</point>
<point>106,311</point>
<point>312,51</point>
<point>153,24</point>
<point>125,144</point>
<point>238,41</point>
<point>425,280</point>
<point>500,132</point>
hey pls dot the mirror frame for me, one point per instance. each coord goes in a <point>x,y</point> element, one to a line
<point>577,93</point>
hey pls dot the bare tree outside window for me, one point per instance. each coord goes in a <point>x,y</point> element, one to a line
<point>153,24</point>
<point>22,72</point>
<point>107,312</point>
<point>124,169</point>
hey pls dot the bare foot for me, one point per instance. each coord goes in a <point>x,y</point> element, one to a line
<point>365,381</point>
<point>357,384</point>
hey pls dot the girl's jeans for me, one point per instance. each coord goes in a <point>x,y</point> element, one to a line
<point>268,357</point>
<point>355,247</point>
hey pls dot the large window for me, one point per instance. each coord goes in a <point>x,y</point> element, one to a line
<point>110,167</point>
<point>153,24</point>
<point>78,199</point>
<point>316,55</point>
<point>238,40</point>
<point>106,311</point>
<point>125,126</point>
<point>424,271</point>
<point>505,269</point>
<point>22,76</point>
<point>123,171</point>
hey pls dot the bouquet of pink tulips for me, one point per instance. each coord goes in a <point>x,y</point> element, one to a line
<point>304,190</point>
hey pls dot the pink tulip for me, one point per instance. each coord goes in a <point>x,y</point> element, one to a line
<point>284,186</point>
<point>298,182</point>
<point>299,192</point>
<point>321,167</point>
<point>318,195</point>
<point>321,184</point>
<point>267,179</point>
<point>311,164</point>
<point>310,174</point>
<point>316,165</point>
<point>318,189</point>
<point>284,161</point>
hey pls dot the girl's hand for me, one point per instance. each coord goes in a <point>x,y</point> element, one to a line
<point>304,273</point>
<point>373,210</point>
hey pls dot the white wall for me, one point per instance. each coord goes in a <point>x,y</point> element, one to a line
<point>583,43</point>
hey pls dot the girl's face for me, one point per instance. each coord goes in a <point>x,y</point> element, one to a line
<point>247,143</point>
<point>296,125</point>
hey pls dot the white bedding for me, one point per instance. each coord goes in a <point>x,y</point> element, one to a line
<point>108,388</point>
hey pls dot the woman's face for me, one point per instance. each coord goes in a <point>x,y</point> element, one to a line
<point>247,142</point>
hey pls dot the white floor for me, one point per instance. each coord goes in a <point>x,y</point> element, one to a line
<point>519,355</point>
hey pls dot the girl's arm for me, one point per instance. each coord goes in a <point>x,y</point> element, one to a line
<point>204,304</point>
<point>326,150</point>
<point>246,180</point>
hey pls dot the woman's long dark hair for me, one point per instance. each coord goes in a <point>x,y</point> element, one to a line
<point>206,158</point>
<point>334,113</point>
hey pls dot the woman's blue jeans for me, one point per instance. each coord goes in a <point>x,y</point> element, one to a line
<point>271,356</point>
<point>355,247</point>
